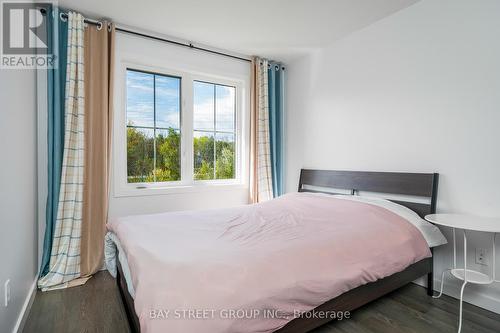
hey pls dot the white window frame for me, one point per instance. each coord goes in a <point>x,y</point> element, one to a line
<point>187,182</point>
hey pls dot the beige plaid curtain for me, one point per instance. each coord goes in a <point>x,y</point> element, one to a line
<point>78,240</point>
<point>64,264</point>
<point>260,152</point>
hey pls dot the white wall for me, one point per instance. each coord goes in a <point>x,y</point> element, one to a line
<point>417,91</point>
<point>18,235</point>
<point>150,55</point>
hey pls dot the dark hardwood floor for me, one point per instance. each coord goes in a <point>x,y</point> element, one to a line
<point>96,307</point>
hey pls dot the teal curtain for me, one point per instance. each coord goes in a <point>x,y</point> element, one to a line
<point>276,86</point>
<point>56,80</point>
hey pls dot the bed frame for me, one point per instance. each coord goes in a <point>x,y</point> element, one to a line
<point>409,185</point>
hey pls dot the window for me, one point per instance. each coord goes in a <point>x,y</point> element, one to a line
<point>153,127</point>
<point>214,131</point>
<point>162,150</point>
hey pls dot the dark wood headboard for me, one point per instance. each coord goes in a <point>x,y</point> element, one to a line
<point>409,184</point>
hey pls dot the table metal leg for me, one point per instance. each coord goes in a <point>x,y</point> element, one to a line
<point>442,281</point>
<point>454,249</point>
<point>461,301</point>
<point>494,265</point>
<point>463,285</point>
<point>449,269</point>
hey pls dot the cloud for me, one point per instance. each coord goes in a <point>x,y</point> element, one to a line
<point>140,103</point>
<point>225,106</point>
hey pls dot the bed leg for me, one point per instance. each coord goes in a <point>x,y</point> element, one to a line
<point>430,284</point>
<point>430,277</point>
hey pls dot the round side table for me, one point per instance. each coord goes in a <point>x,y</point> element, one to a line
<point>467,223</point>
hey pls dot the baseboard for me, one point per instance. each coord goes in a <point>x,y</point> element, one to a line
<point>25,310</point>
<point>476,297</point>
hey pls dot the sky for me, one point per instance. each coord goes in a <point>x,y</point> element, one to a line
<point>140,104</point>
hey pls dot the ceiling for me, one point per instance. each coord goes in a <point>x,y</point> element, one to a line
<point>277,29</point>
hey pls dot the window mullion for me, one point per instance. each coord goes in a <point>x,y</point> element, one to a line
<point>154,128</point>
<point>215,131</point>
<point>187,159</point>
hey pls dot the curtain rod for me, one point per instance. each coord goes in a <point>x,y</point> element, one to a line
<point>140,34</point>
<point>190,45</point>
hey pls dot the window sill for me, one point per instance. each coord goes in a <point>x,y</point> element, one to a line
<point>198,187</point>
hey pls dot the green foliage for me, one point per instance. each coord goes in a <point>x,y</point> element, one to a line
<point>159,175</point>
<point>168,157</point>
<point>205,171</point>
<point>203,157</point>
<point>140,157</point>
<point>224,165</point>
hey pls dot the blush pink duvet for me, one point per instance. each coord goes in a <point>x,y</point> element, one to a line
<point>251,268</point>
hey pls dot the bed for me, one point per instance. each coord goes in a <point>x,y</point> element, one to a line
<point>288,265</point>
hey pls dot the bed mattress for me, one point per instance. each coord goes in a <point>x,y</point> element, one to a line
<point>224,270</point>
